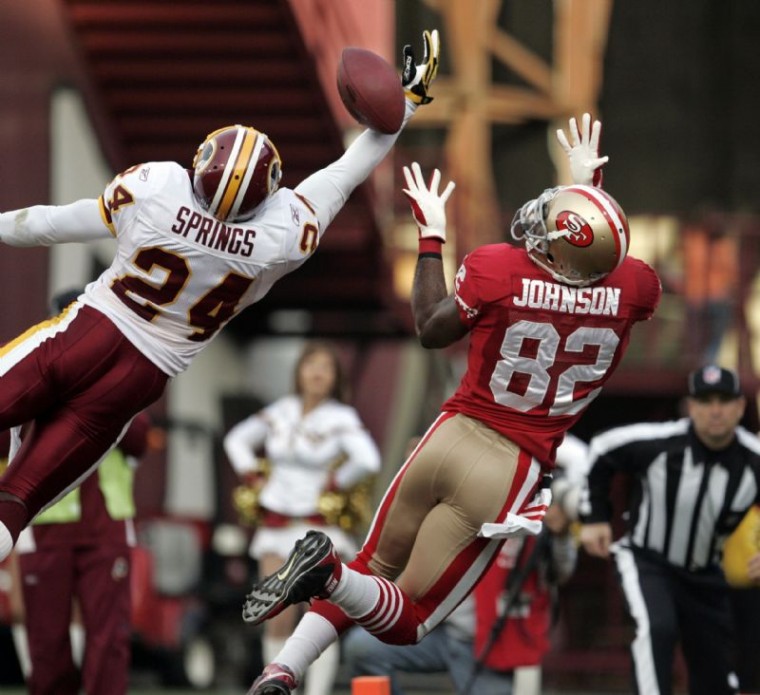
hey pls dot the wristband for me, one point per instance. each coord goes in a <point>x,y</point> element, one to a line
<point>430,245</point>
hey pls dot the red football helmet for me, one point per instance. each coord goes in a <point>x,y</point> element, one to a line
<point>578,234</point>
<point>236,168</point>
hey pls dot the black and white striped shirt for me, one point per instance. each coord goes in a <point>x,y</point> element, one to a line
<point>685,499</point>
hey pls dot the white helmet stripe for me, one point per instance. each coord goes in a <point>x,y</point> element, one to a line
<point>243,188</point>
<point>616,223</point>
<point>213,208</point>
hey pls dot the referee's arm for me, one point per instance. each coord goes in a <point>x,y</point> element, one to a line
<point>596,506</point>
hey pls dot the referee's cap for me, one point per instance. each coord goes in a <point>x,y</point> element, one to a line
<point>714,379</point>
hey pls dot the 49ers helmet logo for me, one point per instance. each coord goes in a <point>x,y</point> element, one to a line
<point>580,232</point>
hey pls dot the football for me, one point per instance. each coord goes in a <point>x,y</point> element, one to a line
<point>371,90</point>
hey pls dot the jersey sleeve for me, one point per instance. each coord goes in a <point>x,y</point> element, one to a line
<point>467,289</point>
<point>328,189</point>
<point>44,225</point>
<point>125,195</point>
<point>620,449</point>
<point>649,292</point>
<point>595,503</point>
<point>301,229</point>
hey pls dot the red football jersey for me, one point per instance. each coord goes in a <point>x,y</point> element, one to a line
<point>540,350</point>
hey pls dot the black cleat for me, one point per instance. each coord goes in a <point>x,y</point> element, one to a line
<point>312,570</point>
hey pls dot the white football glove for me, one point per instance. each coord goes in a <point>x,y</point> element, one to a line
<point>428,206</point>
<point>416,79</point>
<point>585,162</point>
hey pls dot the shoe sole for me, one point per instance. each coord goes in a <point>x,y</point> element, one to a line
<point>279,590</point>
<point>274,688</point>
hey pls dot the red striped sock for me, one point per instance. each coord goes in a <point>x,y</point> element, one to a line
<point>393,619</point>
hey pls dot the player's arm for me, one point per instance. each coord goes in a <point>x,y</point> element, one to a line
<point>596,506</point>
<point>43,225</point>
<point>328,189</point>
<point>436,317</point>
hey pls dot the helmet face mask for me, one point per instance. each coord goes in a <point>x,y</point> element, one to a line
<point>578,234</point>
<point>235,169</point>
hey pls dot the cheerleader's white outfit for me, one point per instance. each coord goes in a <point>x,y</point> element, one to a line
<point>302,451</point>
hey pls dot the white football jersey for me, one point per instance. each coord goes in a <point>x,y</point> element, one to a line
<point>180,274</point>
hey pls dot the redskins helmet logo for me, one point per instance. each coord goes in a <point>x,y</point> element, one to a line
<point>579,231</point>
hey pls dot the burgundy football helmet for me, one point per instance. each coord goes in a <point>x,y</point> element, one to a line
<point>236,168</point>
<point>578,234</point>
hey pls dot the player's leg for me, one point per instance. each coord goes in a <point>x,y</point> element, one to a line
<point>95,381</point>
<point>25,391</point>
<point>476,476</point>
<point>321,626</point>
<point>303,574</point>
<point>440,489</point>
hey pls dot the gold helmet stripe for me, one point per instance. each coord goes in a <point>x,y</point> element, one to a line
<point>216,201</point>
<point>260,141</point>
<point>235,175</point>
<point>618,225</point>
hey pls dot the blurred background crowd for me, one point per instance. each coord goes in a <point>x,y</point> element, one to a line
<point>90,87</point>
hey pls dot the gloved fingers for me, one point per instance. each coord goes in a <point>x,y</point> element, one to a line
<point>447,191</point>
<point>586,128</point>
<point>574,132</point>
<point>435,181</point>
<point>563,140</point>
<point>431,55</point>
<point>409,70</point>
<point>419,178</point>
<point>596,133</point>
<point>411,190</point>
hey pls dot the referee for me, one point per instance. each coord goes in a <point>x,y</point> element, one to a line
<point>692,482</point>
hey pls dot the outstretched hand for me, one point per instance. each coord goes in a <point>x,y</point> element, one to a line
<point>416,79</point>
<point>428,206</point>
<point>585,162</point>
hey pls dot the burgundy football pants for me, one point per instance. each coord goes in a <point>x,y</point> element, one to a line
<point>78,381</point>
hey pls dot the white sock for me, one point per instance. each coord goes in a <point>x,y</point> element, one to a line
<point>320,678</point>
<point>357,594</point>
<point>270,648</point>
<point>78,639</point>
<point>527,680</point>
<point>20,641</point>
<point>312,636</point>
<point>6,541</point>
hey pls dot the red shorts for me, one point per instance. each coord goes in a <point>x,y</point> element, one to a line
<point>79,382</point>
